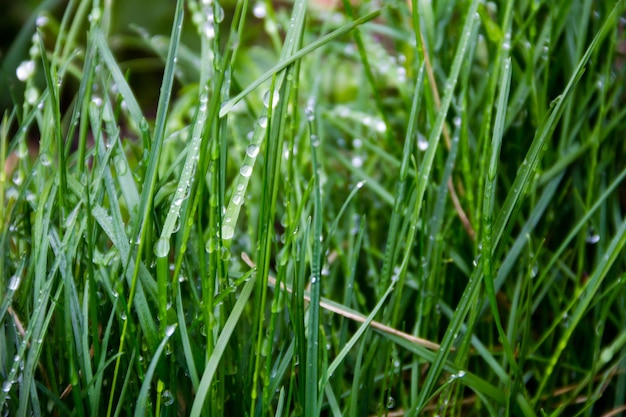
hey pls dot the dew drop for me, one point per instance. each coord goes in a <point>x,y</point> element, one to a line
<point>592,237</point>
<point>95,14</point>
<point>25,70</point>
<point>31,95</point>
<point>169,330</point>
<point>422,143</point>
<point>274,98</point>
<point>506,44</point>
<point>210,245</point>
<point>315,141</point>
<point>18,177</point>
<point>228,232</point>
<point>219,14</point>
<point>14,282</point>
<point>246,170</point>
<point>44,158</point>
<point>259,11</point>
<point>162,247</point>
<point>167,398</point>
<point>252,150</point>
<point>396,274</point>
<point>263,122</point>
<point>22,148</point>
<point>120,165</point>
<point>357,161</point>
<point>380,126</point>
<point>209,30</point>
<point>391,402</point>
<point>41,21</point>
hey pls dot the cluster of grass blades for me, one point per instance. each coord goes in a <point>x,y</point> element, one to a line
<point>375,208</point>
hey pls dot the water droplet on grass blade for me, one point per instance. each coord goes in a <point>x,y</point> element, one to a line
<point>252,150</point>
<point>246,170</point>
<point>274,99</point>
<point>259,11</point>
<point>162,247</point>
<point>228,232</point>
<point>167,398</point>
<point>592,237</point>
<point>169,330</point>
<point>219,14</point>
<point>209,30</point>
<point>422,142</point>
<point>44,158</point>
<point>31,95</point>
<point>25,70</point>
<point>18,177</point>
<point>357,161</point>
<point>14,282</point>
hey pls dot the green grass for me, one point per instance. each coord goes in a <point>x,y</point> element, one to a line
<point>398,209</point>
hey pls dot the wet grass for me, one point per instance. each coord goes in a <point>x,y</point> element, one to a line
<point>408,209</point>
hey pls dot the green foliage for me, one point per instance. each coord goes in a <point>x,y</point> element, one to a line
<point>280,208</point>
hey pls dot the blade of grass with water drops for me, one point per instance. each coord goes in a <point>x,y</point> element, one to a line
<point>186,341</point>
<point>28,352</point>
<point>220,347</point>
<point>312,392</point>
<point>147,192</point>
<point>489,207</point>
<point>143,219</point>
<point>390,255</point>
<point>240,185</point>
<point>113,225</point>
<point>34,329</point>
<point>142,399</point>
<point>33,340</point>
<point>469,33</point>
<point>122,86</point>
<point>162,245</point>
<point>52,84</point>
<point>355,338</point>
<point>273,155</point>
